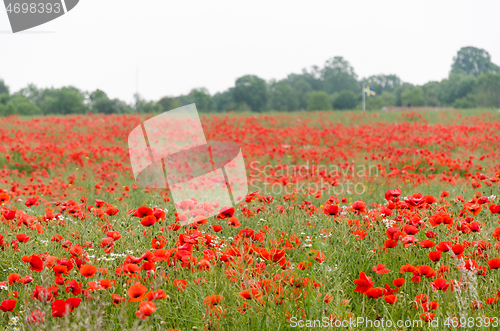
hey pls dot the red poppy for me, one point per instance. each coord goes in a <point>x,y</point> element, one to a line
<point>380,269</point>
<point>439,284</point>
<point>146,308</point>
<point>148,220</point>
<point>136,292</point>
<point>435,256</point>
<point>8,305</point>
<point>363,283</point>
<point>88,270</point>
<point>494,263</point>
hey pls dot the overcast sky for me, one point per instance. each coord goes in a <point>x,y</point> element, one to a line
<point>179,45</point>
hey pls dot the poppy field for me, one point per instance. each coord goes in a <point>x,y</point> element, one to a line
<point>350,216</point>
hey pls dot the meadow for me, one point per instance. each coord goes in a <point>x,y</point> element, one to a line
<point>352,220</point>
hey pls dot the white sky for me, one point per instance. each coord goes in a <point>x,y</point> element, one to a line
<point>178,45</point>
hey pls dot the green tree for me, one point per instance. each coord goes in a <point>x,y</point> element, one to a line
<point>202,99</point>
<point>224,101</point>
<point>455,87</point>
<point>431,91</point>
<point>3,88</point>
<point>252,91</point>
<point>145,107</point>
<point>473,61</point>
<point>398,92</point>
<point>318,100</point>
<point>168,103</point>
<point>301,88</point>
<point>33,93</point>
<point>66,100</point>
<point>337,75</point>
<point>283,97</point>
<point>488,90</point>
<point>415,97</point>
<point>345,100</point>
<point>382,83</point>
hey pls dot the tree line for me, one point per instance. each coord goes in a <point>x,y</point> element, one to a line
<point>473,81</point>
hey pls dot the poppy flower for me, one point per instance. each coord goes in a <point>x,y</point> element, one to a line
<point>117,299</point>
<point>61,308</point>
<point>212,300</point>
<point>427,317</point>
<point>427,243</point>
<point>148,220</point>
<point>156,295</point>
<point>439,284</point>
<point>36,263</point>
<point>22,237</point>
<point>136,292</point>
<point>375,292</point>
<point>391,299</point>
<point>146,308</point>
<point>74,287</point>
<point>494,263</point>
<point>88,270</point>
<point>398,282</point>
<point>363,283</point>
<point>36,317</point>
<point>435,256</point>
<point>8,305</point>
<point>216,227</point>
<point>380,269</point>
<point>181,284</point>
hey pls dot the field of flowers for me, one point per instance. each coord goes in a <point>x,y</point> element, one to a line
<point>367,217</point>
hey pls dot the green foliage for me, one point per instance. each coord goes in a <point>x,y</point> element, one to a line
<point>224,101</point>
<point>17,105</point>
<point>473,61</point>
<point>169,103</point>
<point>145,107</point>
<point>283,97</point>
<point>338,75</point>
<point>251,90</point>
<point>382,83</point>
<point>488,90</point>
<point>67,100</point>
<point>455,87</point>
<point>3,88</point>
<point>415,97</point>
<point>345,100</point>
<point>319,101</point>
<point>202,99</point>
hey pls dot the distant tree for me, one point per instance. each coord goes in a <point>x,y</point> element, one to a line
<point>301,88</point>
<point>345,100</point>
<point>224,101</point>
<point>3,88</point>
<point>17,105</point>
<point>145,107</point>
<point>33,93</point>
<point>201,97</point>
<point>168,103</point>
<point>251,90</point>
<point>398,92</point>
<point>473,61</point>
<point>318,100</point>
<point>66,100</point>
<point>457,86</point>
<point>382,83</point>
<point>431,91</point>
<point>488,90</point>
<point>337,75</point>
<point>97,94</point>
<point>415,97</point>
<point>283,97</point>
